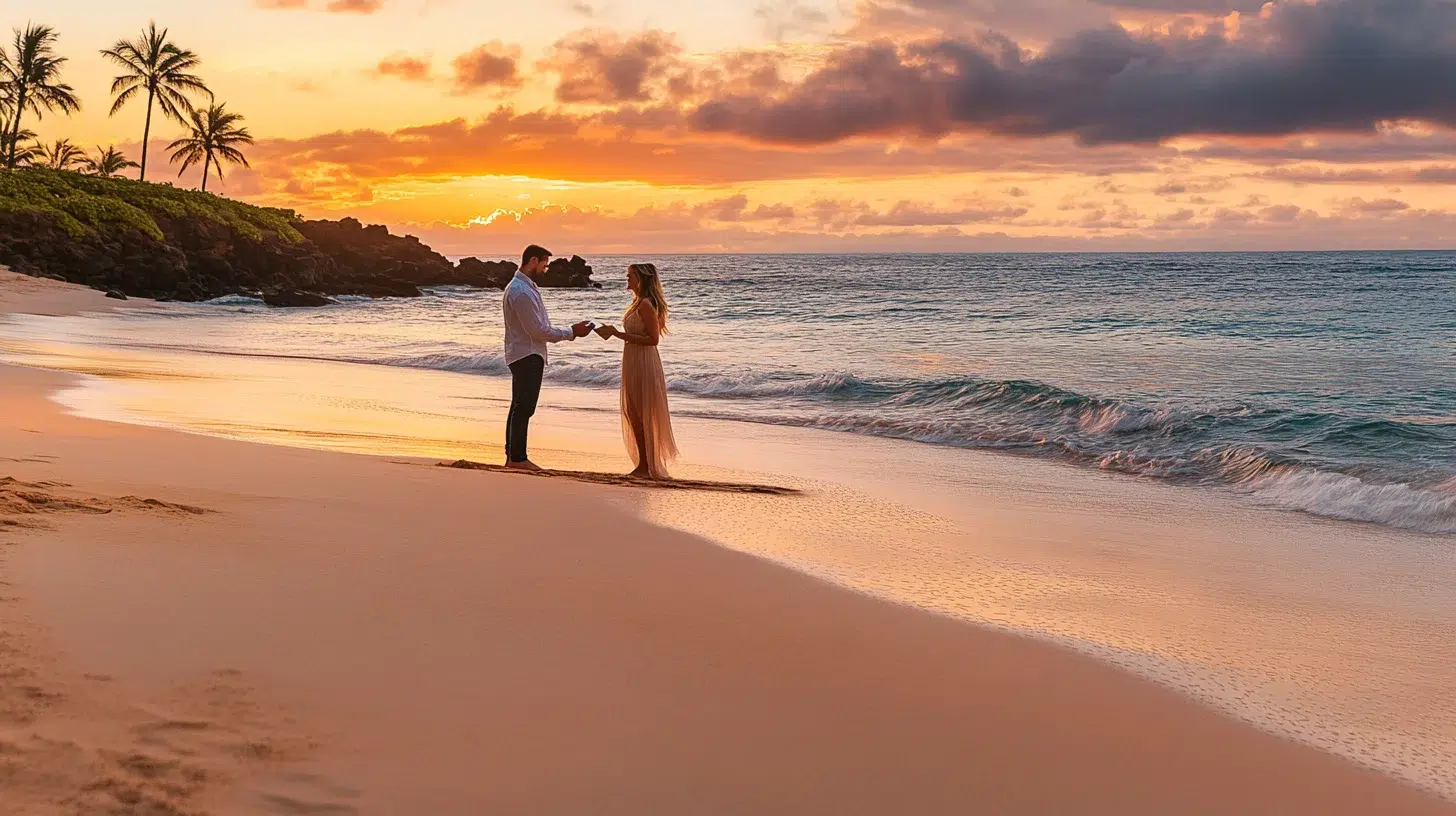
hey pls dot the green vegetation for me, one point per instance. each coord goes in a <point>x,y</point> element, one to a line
<point>62,155</point>
<point>107,161</point>
<point>108,206</point>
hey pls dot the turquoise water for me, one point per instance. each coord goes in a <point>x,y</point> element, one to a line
<point>1323,383</point>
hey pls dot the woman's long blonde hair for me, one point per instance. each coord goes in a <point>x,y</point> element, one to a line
<point>651,291</point>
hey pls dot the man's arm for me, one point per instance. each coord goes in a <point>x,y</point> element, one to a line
<point>533,319</point>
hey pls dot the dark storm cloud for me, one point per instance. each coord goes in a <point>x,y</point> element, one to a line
<point>1339,65</point>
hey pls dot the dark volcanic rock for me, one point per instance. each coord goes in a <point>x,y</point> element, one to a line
<point>293,299</point>
<point>563,273</point>
<point>375,286</point>
<point>115,295</point>
<point>369,261</point>
<point>568,274</point>
<point>484,274</point>
<point>34,243</point>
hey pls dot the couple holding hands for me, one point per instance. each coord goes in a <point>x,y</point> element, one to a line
<point>646,425</point>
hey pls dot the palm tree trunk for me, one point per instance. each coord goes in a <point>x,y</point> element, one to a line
<point>147,131</point>
<point>206,169</point>
<point>15,126</point>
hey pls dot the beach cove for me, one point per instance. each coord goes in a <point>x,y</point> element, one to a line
<point>284,628</point>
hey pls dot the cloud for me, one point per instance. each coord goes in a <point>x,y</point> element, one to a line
<point>734,209</point>
<point>333,7</point>
<point>913,214</point>
<point>405,67</point>
<point>1380,208</point>
<point>1438,174</point>
<point>1215,7</point>
<point>829,226</point>
<point>354,6</point>
<point>1336,65</point>
<point>602,67</point>
<point>1211,184</point>
<point>493,65</point>
<point>1283,213</point>
<point>598,148</point>
<point>785,19</point>
<point>1035,19</point>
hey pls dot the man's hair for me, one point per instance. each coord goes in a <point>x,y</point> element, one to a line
<point>532,252</point>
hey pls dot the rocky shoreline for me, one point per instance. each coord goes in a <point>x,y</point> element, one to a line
<point>154,241</point>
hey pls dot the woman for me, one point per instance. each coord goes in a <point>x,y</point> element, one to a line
<point>646,426</point>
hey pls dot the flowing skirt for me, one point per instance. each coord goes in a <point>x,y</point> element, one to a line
<point>646,425</point>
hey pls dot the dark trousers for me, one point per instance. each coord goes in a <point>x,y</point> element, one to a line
<point>526,376</point>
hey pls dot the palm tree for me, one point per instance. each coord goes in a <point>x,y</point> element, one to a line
<point>107,163</point>
<point>62,155</point>
<point>27,150</point>
<point>153,64</point>
<point>215,136</point>
<point>7,98</point>
<point>33,73</point>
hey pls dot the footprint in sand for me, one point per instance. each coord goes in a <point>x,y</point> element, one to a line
<point>25,505</point>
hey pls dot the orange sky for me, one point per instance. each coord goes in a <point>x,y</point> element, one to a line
<point>820,125</point>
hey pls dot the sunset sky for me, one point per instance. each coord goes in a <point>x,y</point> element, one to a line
<point>819,125</point>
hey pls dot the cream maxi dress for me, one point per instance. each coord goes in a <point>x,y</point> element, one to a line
<point>644,402</point>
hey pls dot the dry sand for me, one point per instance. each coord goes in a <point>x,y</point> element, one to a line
<point>193,625</point>
<point>22,294</point>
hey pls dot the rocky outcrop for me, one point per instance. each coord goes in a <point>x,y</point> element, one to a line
<point>369,261</point>
<point>484,274</point>
<point>573,273</point>
<point>200,258</point>
<point>130,262</point>
<point>294,299</point>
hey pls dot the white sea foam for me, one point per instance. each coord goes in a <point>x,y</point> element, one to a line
<point>1338,495</point>
<point>233,300</point>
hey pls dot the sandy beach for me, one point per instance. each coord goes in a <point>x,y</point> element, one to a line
<point>198,625</point>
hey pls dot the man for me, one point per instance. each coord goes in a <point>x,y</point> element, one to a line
<point>528,330</point>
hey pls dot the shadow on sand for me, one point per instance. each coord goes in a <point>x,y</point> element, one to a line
<point>622,481</point>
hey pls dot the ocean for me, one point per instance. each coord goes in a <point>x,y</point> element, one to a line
<point>1322,383</point>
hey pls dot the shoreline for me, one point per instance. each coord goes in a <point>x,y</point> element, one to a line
<point>668,673</point>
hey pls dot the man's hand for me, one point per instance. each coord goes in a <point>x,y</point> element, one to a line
<point>582,329</point>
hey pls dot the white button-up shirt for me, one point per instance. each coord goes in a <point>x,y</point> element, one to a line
<point>528,327</point>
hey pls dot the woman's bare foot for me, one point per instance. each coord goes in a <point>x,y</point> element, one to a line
<point>526,465</point>
<point>639,473</point>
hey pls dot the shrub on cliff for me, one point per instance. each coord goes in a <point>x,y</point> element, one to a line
<point>108,206</point>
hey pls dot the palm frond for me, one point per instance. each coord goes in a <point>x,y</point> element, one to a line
<point>124,97</point>
<point>153,62</point>
<point>32,77</point>
<point>213,141</point>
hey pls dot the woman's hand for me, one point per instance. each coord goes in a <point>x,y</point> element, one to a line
<point>606,332</point>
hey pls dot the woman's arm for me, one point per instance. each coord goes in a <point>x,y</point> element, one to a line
<point>651,337</point>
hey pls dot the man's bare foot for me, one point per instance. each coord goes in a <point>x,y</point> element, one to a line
<point>526,465</point>
<point>639,474</point>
